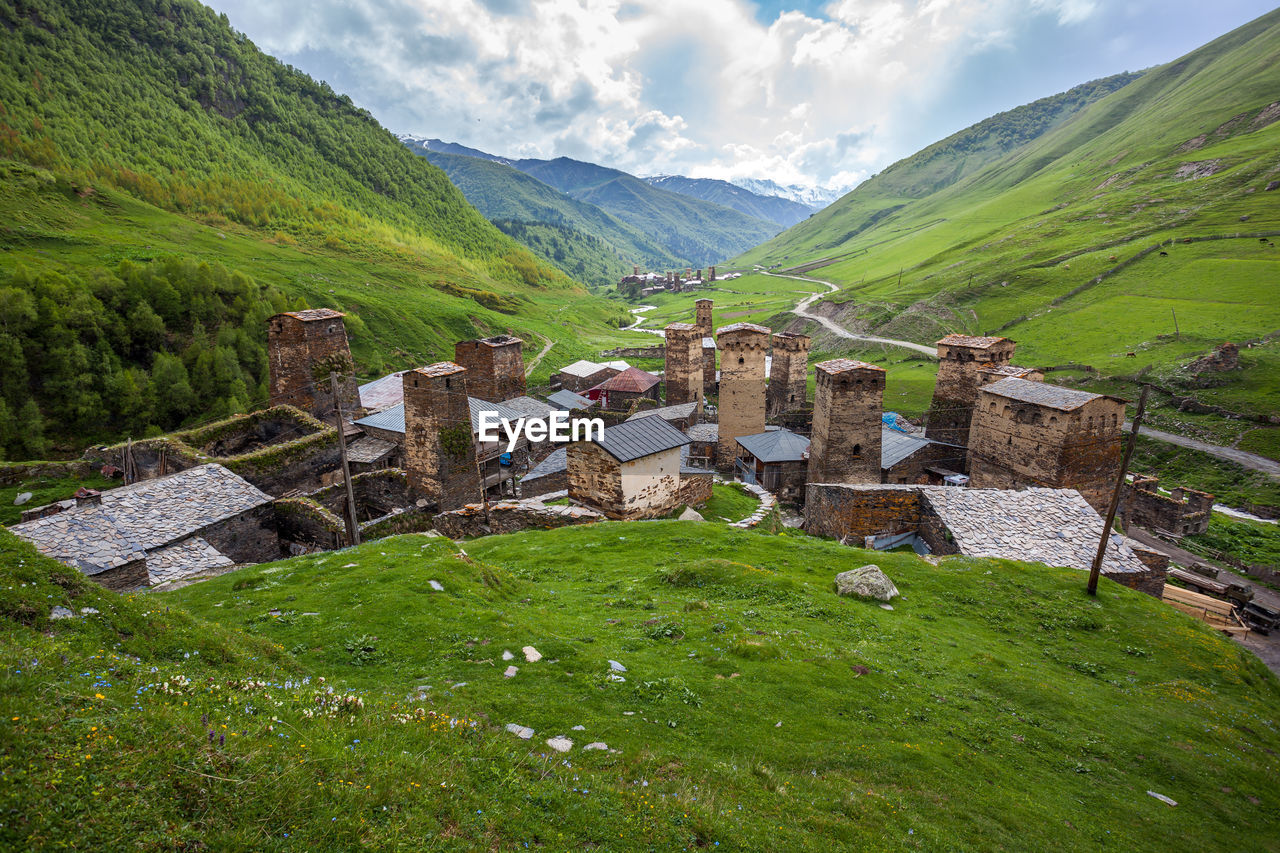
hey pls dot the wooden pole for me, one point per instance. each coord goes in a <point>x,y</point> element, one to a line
<point>1096,568</point>
<point>1177,333</point>
<point>353,523</point>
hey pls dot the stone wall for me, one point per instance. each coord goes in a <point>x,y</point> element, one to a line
<point>683,373</point>
<point>377,493</point>
<point>1182,512</point>
<point>1153,580</point>
<point>495,367</point>
<point>636,352</point>
<point>955,392</point>
<point>297,342</point>
<point>249,537</point>
<point>409,520</point>
<point>595,478</point>
<point>847,408</point>
<point>14,473</point>
<point>788,376</point>
<point>742,349</point>
<point>694,490</point>
<point>1015,444</point>
<point>124,578</point>
<point>509,517</point>
<point>854,514</point>
<point>578,384</point>
<point>440,451</point>
<point>787,480</point>
<point>302,521</point>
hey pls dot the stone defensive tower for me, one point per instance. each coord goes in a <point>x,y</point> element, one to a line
<point>788,374</point>
<point>961,358</point>
<point>702,319</point>
<point>439,448</point>
<point>847,408</point>
<point>301,344</point>
<point>742,349</point>
<point>683,364</point>
<point>495,367</point>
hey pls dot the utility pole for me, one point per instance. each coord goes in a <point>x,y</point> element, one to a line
<point>899,277</point>
<point>1096,568</point>
<point>353,524</point>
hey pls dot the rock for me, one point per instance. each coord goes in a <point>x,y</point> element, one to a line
<point>22,498</point>
<point>60,612</point>
<point>613,676</point>
<point>560,744</point>
<point>1273,185</point>
<point>579,728</point>
<point>350,566</point>
<point>88,611</point>
<point>522,732</point>
<point>531,654</point>
<point>436,585</point>
<point>511,672</point>
<point>865,582</point>
<point>616,667</point>
<point>886,606</point>
<point>506,655</point>
<point>596,745</point>
<point>691,514</point>
<point>1162,798</point>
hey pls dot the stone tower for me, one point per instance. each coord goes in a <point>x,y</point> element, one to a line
<point>703,322</point>
<point>439,448</point>
<point>788,374</point>
<point>742,349</point>
<point>961,358</point>
<point>683,364</point>
<point>495,367</point>
<point>847,408</point>
<point>299,342</point>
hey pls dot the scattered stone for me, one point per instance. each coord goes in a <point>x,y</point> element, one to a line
<point>522,732</point>
<point>432,534</point>
<point>560,744</point>
<point>1162,798</point>
<point>886,606</point>
<point>506,655</point>
<point>511,672</point>
<point>579,728</point>
<point>1271,186</point>
<point>778,724</point>
<point>88,611</point>
<point>865,582</point>
<point>596,745</point>
<point>436,585</point>
<point>531,654</point>
<point>351,566</point>
<point>60,612</point>
<point>613,676</point>
<point>616,667</point>
<point>628,713</point>
<point>459,684</point>
<point>691,514</point>
<point>22,498</point>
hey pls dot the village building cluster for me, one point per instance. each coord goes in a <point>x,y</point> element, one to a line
<point>1005,465</point>
<point>671,281</point>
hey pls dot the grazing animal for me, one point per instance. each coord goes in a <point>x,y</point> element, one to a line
<point>1131,355</point>
<point>1164,254</point>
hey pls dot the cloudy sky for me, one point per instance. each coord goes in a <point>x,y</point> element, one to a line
<point>814,93</point>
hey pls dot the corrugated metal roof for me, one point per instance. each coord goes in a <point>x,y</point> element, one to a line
<point>383,393</point>
<point>530,407</point>
<point>896,446</point>
<point>568,401</point>
<point>392,420</point>
<point>632,440</point>
<point>556,463</point>
<point>1042,394</point>
<point>582,368</point>
<point>669,413</point>
<point>781,445</point>
<point>633,379</point>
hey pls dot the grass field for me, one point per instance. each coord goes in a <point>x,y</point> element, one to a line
<point>729,502</point>
<point>46,490</point>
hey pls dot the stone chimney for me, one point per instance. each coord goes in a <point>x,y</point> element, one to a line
<point>847,408</point>
<point>299,342</point>
<point>683,364</point>
<point>788,374</point>
<point>495,367</point>
<point>440,449</point>
<point>742,349</point>
<point>88,497</point>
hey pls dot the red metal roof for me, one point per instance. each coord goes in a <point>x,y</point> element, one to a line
<point>632,379</point>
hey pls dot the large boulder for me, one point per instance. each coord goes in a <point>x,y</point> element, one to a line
<point>691,514</point>
<point>866,582</point>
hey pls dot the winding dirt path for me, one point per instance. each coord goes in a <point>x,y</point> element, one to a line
<point>532,365</point>
<point>1243,458</point>
<point>802,310</point>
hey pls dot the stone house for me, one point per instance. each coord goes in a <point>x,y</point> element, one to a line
<point>581,375</point>
<point>635,471</point>
<point>494,365</point>
<point>1056,527</point>
<point>1183,512</point>
<point>567,401</point>
<point>681,416</point>
<point>619,392</point>
<point>961,358</point>
<point>1035,434</point>
<point>199,520</point>
<point>776,460</point>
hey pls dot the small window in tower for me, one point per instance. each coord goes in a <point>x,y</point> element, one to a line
<point>857,451</point>
<point>741,360</point>
<point>448,383</point>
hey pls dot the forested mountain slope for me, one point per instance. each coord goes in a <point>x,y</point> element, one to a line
<point>782,211</point>
<point>163,184</point>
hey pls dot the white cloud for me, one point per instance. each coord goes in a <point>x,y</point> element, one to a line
<point>698,87</point>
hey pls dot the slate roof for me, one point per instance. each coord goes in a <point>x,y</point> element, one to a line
<point>703,432</point>
<point>840,365</point>
<point>530,407</point>
<point>383,393</point>
<point>555,463</point>
<point>135,519</point>
<point>582,368</point>
<point>367,450</point>
<point>183,559</point>
<point>677,412</point>
<point>568,401</point>
<point>392,419</point>
<point>311,314</point>
<point>1008,370</point>
<point>741,327</point>
<point>1042,394</point>
<point>633,379</point>
<point>970,341</point>
<point>632,440</point>
<point>780,445</point>
<point>896,446</point>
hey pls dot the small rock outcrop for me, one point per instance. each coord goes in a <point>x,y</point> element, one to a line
<point>866,582</point>
<point>691,514</point>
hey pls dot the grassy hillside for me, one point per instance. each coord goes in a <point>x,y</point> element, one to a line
<point>761,711</point>
<point>687,227</point>
<point>152,133</point>
<point>781,211</point>
<point>505,194</point>
<point>1047,243</point>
